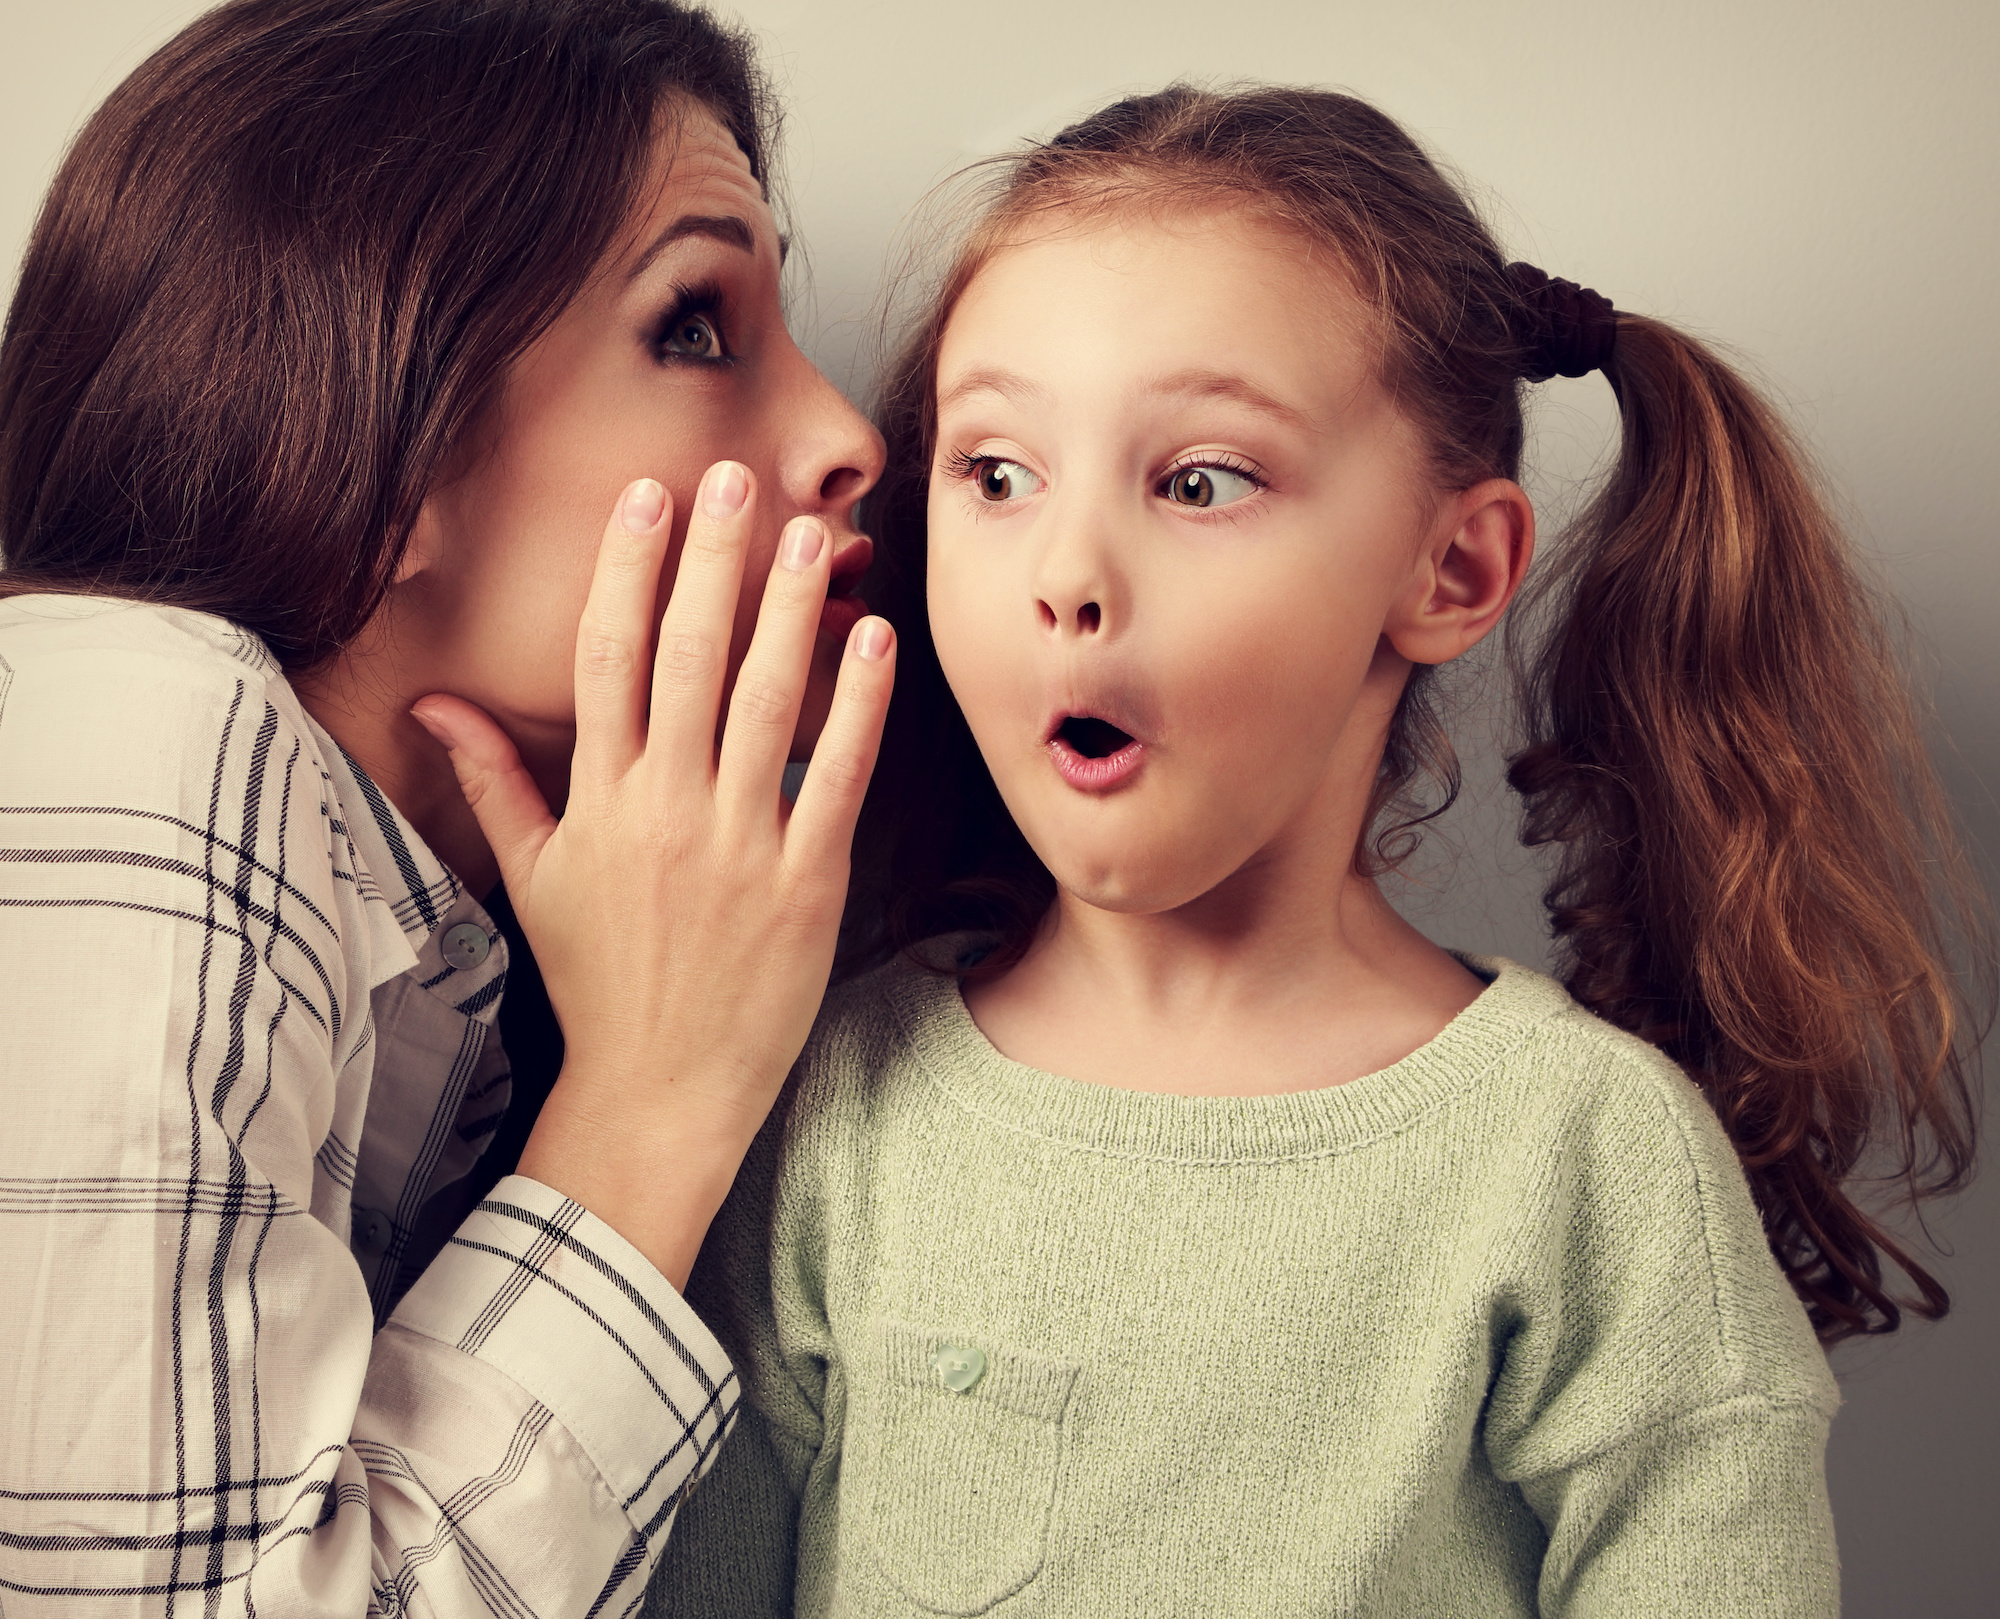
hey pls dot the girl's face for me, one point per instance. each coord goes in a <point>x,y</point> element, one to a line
<point>675,356</point>
<point>1172,515</point>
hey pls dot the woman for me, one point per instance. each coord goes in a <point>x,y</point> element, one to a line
<point>344,324</point>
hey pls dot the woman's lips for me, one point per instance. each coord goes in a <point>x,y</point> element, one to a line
<point>839,616</point>
<point>844,607</point>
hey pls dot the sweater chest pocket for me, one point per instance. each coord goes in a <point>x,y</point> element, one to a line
<point>952,1455</point>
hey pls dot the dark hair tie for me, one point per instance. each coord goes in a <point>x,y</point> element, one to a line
<point>1564,330</point>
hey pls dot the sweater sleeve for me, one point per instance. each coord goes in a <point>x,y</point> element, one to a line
<point>1722,1510</point>
<point>1662,1403</point>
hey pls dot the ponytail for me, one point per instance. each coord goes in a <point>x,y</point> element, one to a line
<point>1758,871</point>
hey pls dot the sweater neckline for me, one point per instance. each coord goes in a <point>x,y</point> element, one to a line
<point>965,1068</point>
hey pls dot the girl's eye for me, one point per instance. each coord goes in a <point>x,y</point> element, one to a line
<point>694,336</point>
<point>1005,480</point>
<point>1207,486</point>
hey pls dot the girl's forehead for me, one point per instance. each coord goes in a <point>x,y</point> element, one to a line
<point>1207,285</point>
<point>1182,249</point>
<point>1202,225</point>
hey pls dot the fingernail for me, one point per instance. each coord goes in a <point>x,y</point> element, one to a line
<point>871,638</point>
<point>724,489</point>
<point>805,538</point>
<point>644,502</point>
<point>437,731</point>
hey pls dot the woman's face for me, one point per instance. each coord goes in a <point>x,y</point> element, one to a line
<point>1171,514</point>
<point>674,356</point>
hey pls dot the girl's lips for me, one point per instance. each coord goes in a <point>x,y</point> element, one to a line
<point>1089,775</point>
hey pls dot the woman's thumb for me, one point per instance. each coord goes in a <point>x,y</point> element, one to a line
<point>503,797</point>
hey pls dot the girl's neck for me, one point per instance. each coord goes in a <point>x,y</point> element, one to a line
<point>1274,982</point>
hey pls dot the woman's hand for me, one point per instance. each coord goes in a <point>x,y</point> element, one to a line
<point>682,915</point>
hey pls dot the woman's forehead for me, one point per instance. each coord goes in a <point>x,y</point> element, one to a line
<point>699,173</point>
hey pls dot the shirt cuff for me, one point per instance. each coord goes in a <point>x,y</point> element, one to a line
<point>540,1288</point>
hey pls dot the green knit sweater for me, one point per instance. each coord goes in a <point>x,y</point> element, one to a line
<point>1493,1331</point>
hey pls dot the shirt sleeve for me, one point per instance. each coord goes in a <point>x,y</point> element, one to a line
<point>734,1553</point>
<point>196,1415</point>
<point>535,1412</point>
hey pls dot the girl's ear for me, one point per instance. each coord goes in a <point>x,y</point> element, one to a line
<point>1466,574</point>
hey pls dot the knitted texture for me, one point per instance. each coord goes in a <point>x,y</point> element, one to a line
<point>1494,1331</point>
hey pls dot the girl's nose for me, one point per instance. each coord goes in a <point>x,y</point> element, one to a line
<point>1076,583</point>
<point>1087,619</point>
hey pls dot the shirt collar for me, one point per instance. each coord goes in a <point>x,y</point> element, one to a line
<point>443,927</point>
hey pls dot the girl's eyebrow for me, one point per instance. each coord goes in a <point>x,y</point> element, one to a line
<point>1222,385</point>
<point>1008,384</point>
<point>1192,384</point>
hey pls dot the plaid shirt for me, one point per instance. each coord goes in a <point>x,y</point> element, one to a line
<point>256,1357</point>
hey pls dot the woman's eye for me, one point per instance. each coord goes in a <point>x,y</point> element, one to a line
<point>1207,486</point>
<point>694,336</point>
<point>1005,480</point>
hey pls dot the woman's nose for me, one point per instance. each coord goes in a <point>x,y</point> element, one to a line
<point>828,454</point>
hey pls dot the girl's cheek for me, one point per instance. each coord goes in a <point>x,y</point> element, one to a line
<point>949,634</point>
<point>967,601</point>
<point>974,666</point>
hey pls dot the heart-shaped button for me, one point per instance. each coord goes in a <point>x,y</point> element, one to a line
<point>958,1366</point>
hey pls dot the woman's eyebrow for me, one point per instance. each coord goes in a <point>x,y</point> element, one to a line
<point>729,229</point>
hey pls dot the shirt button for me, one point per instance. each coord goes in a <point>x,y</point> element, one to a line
<point>466,945</point>
<point>958,1367</point>
<point>372,1231</point>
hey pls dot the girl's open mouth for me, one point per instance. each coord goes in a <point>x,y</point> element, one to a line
<point>1092,754</point>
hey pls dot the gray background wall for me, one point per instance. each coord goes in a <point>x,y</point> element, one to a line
<point>1815,185</point>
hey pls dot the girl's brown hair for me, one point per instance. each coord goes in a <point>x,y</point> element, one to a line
<point>287,262</point>
<point>1757,870</point>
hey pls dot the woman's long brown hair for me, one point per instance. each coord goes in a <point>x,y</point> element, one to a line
<point>1757,870</point>
<point>288,262</point>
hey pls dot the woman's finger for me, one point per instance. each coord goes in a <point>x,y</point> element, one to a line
<point>504,799</point>
<point>614,638</point>
<point>821,831</point>
<point>694,634</point>
<point>764,704</point>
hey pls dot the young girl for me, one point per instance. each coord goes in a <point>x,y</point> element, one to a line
<point>1171,1228</point>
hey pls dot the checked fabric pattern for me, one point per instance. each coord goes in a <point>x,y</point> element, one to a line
<point>229,1042</point>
